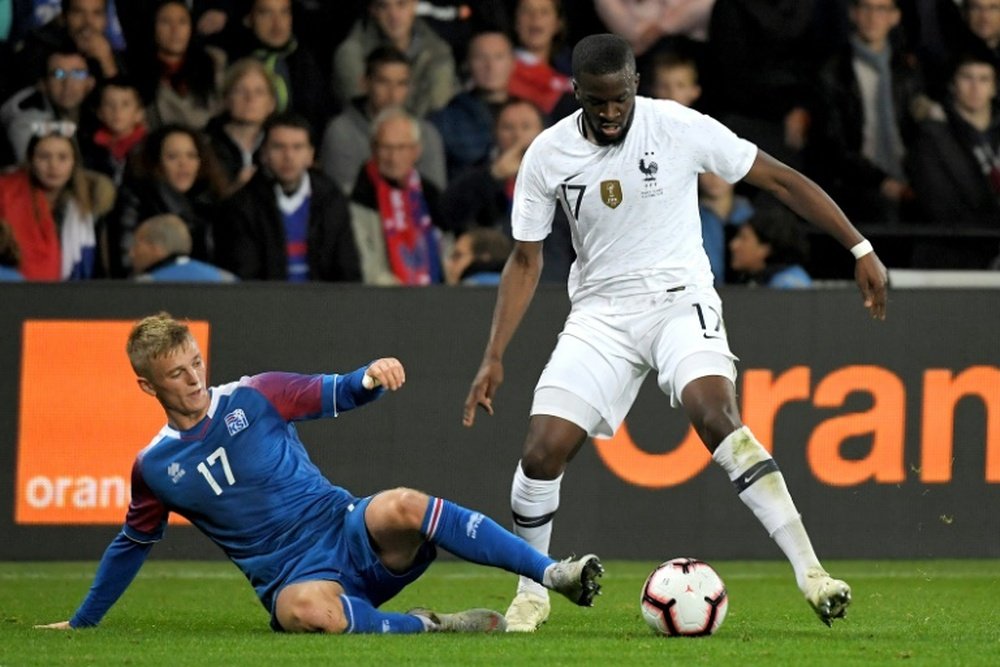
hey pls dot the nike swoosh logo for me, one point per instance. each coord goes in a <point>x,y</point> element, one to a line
<point>749,478</point>
<point>711,337</point>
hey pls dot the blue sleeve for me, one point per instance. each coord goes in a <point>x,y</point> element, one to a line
<point>121,562</point>
<point>349,393</point>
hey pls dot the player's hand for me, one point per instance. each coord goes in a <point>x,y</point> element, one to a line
<point>61,625</point>
<point>488,379</point>
<point>873,281</point>
<point>387,372</point>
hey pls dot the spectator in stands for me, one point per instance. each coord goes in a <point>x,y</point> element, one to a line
<point>122,128</point>
<point>161,250</point>
<point>541,61</point>
<point>250,97</point>
<point>482,195</point>
<point>477,257</point>
<point>52,204</point>
<point>458,21</point>
<point>674,76</point>
<point>83,23</point>
<point>10,255</point>
<point>983,19</point>
<point>644,23</point>
<point>176,172</point>
<point>466,123</point>
<point>759,65</point>
<point>395,23</point>
<point>346,142</point>
<point>59,95</point>
<point>299,80</point>
<point>720,208</point>
<point>394,210</point>
<point>955,165</point>
<point>289,222</point>
<point>770,249</point>
<point>871,100</point>
<point>179,77</point>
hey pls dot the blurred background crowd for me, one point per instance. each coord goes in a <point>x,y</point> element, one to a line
<point>377,141</point>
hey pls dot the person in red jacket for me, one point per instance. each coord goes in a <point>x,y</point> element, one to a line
<point>51,204</point>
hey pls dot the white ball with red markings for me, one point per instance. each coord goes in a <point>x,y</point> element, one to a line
<point>684,597</point>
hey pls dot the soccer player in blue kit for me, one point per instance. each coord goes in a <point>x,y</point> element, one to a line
<point>320,559</point>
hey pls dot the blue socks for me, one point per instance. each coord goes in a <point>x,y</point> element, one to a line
<point>363,618</point>
<point>479,539</point>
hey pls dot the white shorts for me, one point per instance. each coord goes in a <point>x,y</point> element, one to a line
<point>609,344</point>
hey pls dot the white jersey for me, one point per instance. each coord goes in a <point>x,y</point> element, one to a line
<point>632,206</point>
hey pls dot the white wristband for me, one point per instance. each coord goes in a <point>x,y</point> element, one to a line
<point>862,249</point>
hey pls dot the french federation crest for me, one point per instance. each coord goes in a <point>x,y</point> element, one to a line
<point>611,193</point>
<point>236,421</point>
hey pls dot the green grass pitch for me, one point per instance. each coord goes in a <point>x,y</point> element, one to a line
<point>204,613</point>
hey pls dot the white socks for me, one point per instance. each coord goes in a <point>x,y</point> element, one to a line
<point>762,488</point>
<point>534,502</point>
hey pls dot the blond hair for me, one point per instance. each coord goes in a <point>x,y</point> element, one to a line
<point>155,337</point>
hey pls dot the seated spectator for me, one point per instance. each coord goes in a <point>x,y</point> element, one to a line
<point>179,77</point>
<point>394,210</point>
<point>10,255</point>
<point>720,208</point>
<point>289,222</point>
<point>477,257</point>
<point>674,76</point>
<point>871,100</point>
<point>122,128</point>
<point>758,78</point>
<point>175,172</point>
<point>52,204</point>
<point>457,21</point>
<point>466,123</point>
<point>59,95</point>
<point>955,165</point>
<point>82,23</point>
<point>769,250</point>
<point>541,65</point>
<point>161,250</point>
<point>482,196</point>
<point>301,85</point>
<point>983,19</point>
<point>644,23</point>
<point>395,23</point>
<point>346,145</point>
<point>250,97</point>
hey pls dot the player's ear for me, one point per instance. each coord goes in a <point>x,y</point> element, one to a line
<point>145,385</point>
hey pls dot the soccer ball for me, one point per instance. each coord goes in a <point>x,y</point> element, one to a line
<point>684,597</point>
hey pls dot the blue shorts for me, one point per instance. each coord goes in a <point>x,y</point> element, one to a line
<point>346,554</point>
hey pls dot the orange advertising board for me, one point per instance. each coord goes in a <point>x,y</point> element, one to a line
<point>82,420</point>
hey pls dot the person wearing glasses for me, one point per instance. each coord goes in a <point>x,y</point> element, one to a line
<point>58,95</point>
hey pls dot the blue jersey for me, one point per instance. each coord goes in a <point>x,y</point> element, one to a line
<point>243,477</point>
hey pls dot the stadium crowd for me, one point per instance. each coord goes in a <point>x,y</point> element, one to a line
<point>356,140</point>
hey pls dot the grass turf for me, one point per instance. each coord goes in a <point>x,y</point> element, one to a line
<point>204,613</point>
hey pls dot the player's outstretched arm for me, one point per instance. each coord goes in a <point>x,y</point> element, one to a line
<point>517,288</point>
<point>121,562</point>
<point>810,201</point>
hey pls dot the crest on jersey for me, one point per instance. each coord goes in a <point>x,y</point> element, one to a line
<point>236,421</point>
<point>648,168</point>
<point>175,471</point>
<point>611,193</point>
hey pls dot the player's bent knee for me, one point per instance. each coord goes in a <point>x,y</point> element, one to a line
<point>404,508</point>
<point>310,608</point>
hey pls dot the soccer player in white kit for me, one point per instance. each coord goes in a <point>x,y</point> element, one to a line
<point>625,170</point>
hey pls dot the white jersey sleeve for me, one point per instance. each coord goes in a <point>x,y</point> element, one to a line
<point>718,150</point>
<point>534,201</point>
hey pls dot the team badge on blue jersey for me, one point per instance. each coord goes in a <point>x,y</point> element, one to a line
<point>175,471</point>
<point>236,421</point>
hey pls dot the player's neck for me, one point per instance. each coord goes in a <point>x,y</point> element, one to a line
<point>185,421</point>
